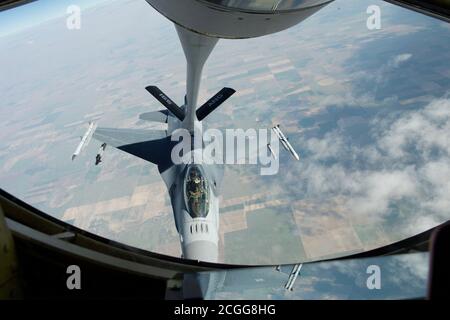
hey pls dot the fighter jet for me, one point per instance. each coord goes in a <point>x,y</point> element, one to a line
<point>194,188</point>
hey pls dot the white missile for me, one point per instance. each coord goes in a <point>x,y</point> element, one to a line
<point>293,276</point>
<point>277,132</point>
<point>85,139</point>
<point>271,151</point>
<point>285,142</point>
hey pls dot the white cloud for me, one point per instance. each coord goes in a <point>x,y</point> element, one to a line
<point>437,175</point>
<point>379,189</point>
<point>392,64</point>
<point>399,59</point>
<point>329,146</point>
<point>414,267</point>
<point>427,131</point>
<point>409,160</point>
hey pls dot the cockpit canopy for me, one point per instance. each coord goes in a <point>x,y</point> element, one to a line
<point>196,192</point>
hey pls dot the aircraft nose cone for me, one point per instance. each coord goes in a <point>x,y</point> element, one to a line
<point>202,250</point>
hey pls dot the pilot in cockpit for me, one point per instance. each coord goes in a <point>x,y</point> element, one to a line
<point>195,185</point>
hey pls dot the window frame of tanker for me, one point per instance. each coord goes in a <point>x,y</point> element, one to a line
<point>44,242</point>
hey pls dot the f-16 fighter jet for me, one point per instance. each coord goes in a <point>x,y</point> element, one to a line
<point>194,188</point>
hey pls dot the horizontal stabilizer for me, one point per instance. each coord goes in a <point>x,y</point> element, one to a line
<point>156,116</point>
<point>166,102</point>
<point>119,137</point>
<point>155,151</point>
<point>210,105</point>
<point>151,145</point>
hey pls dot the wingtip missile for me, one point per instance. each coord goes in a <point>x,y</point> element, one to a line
<point>85,139</point>
<point>285,142</point>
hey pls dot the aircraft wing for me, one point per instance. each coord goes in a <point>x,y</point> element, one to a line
<point>119,137</point>
<point>151,145</point>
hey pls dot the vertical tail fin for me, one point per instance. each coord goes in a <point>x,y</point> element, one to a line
<point>212,104</point>
<point>166,102</point>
